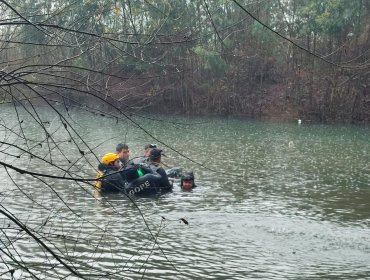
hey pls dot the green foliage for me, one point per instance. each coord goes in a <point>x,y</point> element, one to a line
<point>212,60</point>
<point>329,17</point>
<point>262,35</point>
<point>172,36</point>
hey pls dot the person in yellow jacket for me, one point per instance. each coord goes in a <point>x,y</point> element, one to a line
<point>111,179</point>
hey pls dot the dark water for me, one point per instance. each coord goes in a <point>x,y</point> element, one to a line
<point>285,202</point>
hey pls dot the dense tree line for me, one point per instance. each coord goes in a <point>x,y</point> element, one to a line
<point>284,59</point>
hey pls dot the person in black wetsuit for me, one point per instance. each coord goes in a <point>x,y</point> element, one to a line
<point>148,148</point>
<point>123,153</point>
<point>110,165</point>
<point>154,163</point>
<point>145,158</point>
<point>187,181</point>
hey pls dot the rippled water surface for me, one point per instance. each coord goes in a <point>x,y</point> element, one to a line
<point>275,201</point>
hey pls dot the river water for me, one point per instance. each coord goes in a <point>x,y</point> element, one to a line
<point>274,201</point>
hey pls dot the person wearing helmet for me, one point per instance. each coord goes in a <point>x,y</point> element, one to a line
<point>148,148</point>
<point>145,158</point>
<point>123,153</point>
<point>187,181</point>
<point>111,180</point>
<point>154,163</point>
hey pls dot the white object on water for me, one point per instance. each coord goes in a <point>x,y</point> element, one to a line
<point>299,121</point>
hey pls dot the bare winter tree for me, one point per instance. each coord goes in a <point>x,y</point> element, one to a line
<point>56,57</point>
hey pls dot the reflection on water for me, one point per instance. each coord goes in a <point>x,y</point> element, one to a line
<point>287,202</point>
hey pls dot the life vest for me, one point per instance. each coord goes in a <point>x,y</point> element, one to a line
<point>98,183</point>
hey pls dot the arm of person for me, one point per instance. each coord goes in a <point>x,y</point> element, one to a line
<point>165,182</point>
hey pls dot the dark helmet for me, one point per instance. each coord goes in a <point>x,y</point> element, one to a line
<point>187,176</point>
<point>156,154</point>
<point>150,146</point>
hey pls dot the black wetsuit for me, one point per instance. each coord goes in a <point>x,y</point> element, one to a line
<point>141,180</point>
<point>123,162</point>
<point>112,183</point>
<point>164,183</point>
<point>146,185</point>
